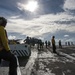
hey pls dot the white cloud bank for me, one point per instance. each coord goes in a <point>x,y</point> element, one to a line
<point>69,4</point>
<point>39,26</point>
<point>44,24</point>
<point>66,35</point>
<point>12,37</point>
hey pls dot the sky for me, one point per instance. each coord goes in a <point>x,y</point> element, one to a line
<point>39,18</point>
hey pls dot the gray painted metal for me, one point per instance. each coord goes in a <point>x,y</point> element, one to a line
<point>21,49</point>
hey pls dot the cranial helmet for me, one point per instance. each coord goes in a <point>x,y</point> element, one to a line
<point>53,36</point>
<point>3,21</point>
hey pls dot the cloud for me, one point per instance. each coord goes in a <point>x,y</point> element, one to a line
<point>15,34</point>
<point>10,8</point>
<point>30,6</point>
<point>69,4</point>
<point>54,17</point>
<point>50,6</point>
<point>12,37</point>
<point>66,35</point>
<point>44,24</point>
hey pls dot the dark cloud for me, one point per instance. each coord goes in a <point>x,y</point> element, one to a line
<point>9,5</point>
<point>9,8</point>
<point>65,22</point>
<point>17,35</point>
<point>45,7</point>
<point>71,11</point>
<point>50,6</point>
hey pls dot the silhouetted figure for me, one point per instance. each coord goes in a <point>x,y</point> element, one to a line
<point>60,46</point>
<point>42,44</point>
<point>5,53</point>
<point>53,44</point>
<point>49,43</point>
<point>46,43</point>
<point>72,43</point>
<point>30,42</point>
<point>27,40</point>
<point>33,42</point>
<point>66,43</point>
<point>39,44</point>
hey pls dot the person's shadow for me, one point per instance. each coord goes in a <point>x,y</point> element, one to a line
<point>58,53</point>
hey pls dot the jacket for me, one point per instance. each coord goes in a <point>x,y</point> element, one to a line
<point>53,41</point>
<point>3,39</point>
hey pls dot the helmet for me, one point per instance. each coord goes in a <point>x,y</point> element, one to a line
<point>3,21</point>
<point>53,36</point>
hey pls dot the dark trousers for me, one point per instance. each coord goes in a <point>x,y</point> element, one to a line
<point>8,56</point>
<point>54,48</point>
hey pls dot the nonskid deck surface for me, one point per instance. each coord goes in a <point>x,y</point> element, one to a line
<point>45,62</point>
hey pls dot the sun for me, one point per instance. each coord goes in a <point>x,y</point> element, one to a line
<point>31,6</point>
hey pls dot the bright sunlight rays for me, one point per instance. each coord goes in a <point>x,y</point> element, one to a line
<point>31,6</point>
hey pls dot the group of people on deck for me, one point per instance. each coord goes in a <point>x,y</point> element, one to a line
<point>5,53</point>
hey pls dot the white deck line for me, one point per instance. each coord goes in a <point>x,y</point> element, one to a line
<point>68,56</point>
<point>18,68</point>
<point>27,69</point>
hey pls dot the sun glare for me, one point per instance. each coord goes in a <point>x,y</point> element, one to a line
<point>32,6</point>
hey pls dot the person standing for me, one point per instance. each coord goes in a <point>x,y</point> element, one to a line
<point>53,44</point>
<point>46,43</point>
<point>60,46</point>
<point>49,43</point>
<point>5,53</point>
